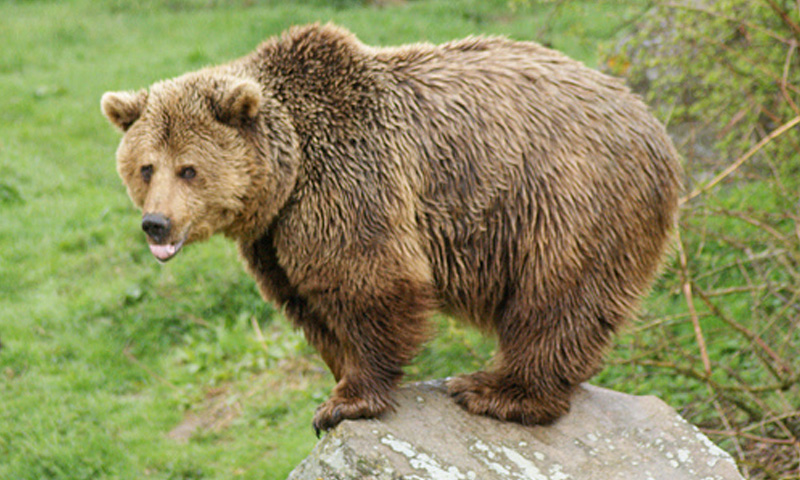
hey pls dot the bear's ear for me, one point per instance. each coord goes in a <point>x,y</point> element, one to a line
<point>240,103</point>
<point>123,108</point>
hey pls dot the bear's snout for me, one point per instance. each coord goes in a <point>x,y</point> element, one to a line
<point>156,226</point>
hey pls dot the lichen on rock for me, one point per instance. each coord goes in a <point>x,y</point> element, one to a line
<point>607,435</point>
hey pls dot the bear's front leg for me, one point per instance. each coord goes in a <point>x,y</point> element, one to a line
<point>355,397</point>
<point>366,340</point>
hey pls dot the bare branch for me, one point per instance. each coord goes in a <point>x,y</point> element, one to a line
<point>785,78</point>
<point>738,163</point>
<point>749,335</point>
<point>687,292</point>
<point>756,223</point>
<point>696,8</point>
<point>785,17</point>
<point>777,441</point>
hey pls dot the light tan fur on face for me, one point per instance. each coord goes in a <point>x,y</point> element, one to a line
<point>192,122</point>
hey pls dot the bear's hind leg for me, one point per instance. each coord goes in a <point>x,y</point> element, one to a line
<point>543,355</point>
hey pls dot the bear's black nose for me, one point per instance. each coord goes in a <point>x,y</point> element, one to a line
<point>156,226</point>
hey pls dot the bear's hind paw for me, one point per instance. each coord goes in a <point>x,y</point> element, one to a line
<point>484,393</point>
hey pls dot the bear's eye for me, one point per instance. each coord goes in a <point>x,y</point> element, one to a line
<point>187,173</point>
<point>147,173</point>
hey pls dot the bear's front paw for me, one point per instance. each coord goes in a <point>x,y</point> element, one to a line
<point>484,393</point>
<point>337,408</point>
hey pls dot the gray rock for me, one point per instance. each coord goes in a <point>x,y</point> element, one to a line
<point>607,435</point>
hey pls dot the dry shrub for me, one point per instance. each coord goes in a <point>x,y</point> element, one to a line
<point>722,336</point>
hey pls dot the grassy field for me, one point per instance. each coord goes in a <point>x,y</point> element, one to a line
<point>113,366</point>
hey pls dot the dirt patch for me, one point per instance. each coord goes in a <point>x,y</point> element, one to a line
<point>222,405</point>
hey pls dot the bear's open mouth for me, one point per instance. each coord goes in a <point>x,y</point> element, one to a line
<point>165,252</point>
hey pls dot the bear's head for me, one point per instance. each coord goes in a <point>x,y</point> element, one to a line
<point>201,154</point>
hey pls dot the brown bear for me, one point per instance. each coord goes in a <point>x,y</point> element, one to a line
<point>493,180</point>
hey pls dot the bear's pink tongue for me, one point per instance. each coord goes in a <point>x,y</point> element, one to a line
<point>163,252</point>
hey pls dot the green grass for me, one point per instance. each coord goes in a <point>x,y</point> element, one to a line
<point>105,351</point>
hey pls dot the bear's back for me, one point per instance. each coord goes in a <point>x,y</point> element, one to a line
<point>534,168</point>
<point>518,167</point>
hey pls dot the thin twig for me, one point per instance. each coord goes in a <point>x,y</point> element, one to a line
<point>737,53</point>
<point>767,421</point>
<point>738,163</point>
<point>785,17</point>
<point>748,334</point>
<point>785,79</point>
<point>754,26</point>
<point>721,292</point>
<point>687,292</point>
<point>660,321</point>
<point>776,118</point>
<point>259,335</point>
<point>198,320</point>
<point>733,433</point>
<point>754,411</point>
<point>765,255</point>
<point>756,223</point>
<point>727,424</point>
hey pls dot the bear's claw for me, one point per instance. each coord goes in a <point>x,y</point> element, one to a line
<point>336,409</point>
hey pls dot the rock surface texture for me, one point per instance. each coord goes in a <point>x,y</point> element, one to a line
<point>607,435</point>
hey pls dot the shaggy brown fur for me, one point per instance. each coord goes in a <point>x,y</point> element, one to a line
<point>497,181</point>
